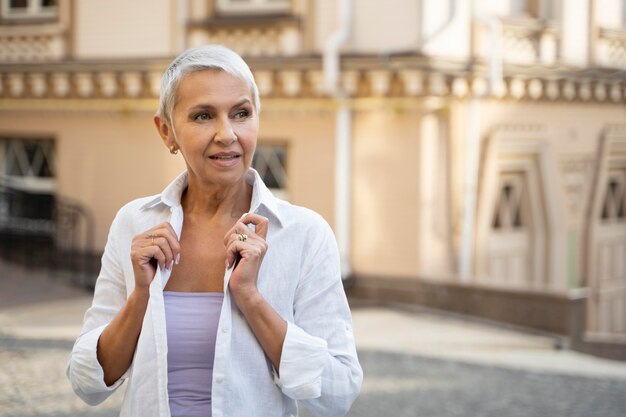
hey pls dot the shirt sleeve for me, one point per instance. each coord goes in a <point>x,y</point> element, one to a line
<point>83,368</point>
<point>319,363</point>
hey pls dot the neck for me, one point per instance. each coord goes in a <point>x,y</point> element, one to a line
<point>216,201</point>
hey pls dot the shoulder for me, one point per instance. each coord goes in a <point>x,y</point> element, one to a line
<point>292,215</point>
<point>139,208</point>
<point>308,226</point>
<point>309,235</point>
<point>137,205</point>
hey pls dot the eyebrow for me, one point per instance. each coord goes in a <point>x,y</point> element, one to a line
<point>210,106</point>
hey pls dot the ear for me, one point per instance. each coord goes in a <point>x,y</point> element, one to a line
<point>165,131</point>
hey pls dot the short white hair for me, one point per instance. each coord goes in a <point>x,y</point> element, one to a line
<point>206,57</point>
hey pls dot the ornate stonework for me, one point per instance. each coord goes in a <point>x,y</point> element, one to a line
<point>292,78</point>
<point>577,176</point>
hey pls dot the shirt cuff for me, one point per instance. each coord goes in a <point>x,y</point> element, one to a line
<point>302,362</point>
<point>86,373</point>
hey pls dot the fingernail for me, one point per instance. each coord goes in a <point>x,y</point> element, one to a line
<point>177,259</point>
<point>227,264</point>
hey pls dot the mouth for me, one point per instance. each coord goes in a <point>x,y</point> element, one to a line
<point>225,156</point>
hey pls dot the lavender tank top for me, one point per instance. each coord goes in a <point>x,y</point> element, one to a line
<point>191,322</point>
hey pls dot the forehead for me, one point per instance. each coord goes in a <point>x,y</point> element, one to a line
<point>217,86</point>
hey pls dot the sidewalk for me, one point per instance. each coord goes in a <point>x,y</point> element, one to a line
<point>416,362</point>
<point>435,334</point>
<point>426,333</point>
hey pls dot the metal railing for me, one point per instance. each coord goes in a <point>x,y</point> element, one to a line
<point>47,231</point>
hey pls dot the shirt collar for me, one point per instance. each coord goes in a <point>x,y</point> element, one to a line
<point>263,201</point>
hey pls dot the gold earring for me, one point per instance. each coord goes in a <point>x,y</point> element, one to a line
<point>173,150</point>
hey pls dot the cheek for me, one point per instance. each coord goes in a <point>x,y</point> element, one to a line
<point>248,137</point>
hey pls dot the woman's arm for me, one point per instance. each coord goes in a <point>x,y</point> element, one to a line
<point>319,363</point>
<point>267,325</point>
<point>117,343</point>
<point>103,351</point>
<point>314,356</point>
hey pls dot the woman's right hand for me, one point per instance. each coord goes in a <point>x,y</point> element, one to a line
<point>156,246</point>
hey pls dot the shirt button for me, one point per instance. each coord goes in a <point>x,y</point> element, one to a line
<point>224,329</point>
<point>219,379</point>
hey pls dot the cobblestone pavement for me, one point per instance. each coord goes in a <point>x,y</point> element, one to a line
<point>33,383</point>
<point>416,363</point>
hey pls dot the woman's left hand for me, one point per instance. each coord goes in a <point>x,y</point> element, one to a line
<point>251,246</point>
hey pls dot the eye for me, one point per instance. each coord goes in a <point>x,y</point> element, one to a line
<point>202,116</point>
<point>242,114</point>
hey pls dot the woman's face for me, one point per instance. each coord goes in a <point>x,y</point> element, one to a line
<point>214,125</point>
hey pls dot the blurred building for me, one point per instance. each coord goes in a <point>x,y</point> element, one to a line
<point>471,155</point>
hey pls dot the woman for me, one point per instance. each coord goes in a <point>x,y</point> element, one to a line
<point>215,298</point>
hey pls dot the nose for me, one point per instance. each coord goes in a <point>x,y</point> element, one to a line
<point>225,133</point>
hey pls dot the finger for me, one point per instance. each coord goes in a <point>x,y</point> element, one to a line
<point>239,228</point>
<point>261,224</point>
<point>163,244</point>
<point>232,249</point>
<point>166,231</point>
<point>153,252</point>
<point>253,246</point>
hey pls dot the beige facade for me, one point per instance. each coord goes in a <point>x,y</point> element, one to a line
<point>457,147</point>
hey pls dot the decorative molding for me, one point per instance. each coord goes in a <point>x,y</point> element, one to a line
<point>274,38</point>
<point>525,149</point>
<point>604,244</point>
<point>577,175</point>
<point>33,43</point>
<point>304,78</point>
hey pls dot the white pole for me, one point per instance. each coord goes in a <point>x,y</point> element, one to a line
<point>343,151</point>
<point>470,184</point>
<point>343,136</point>
<point>470,188</point>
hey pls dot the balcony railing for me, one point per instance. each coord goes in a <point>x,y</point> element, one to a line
<point>32,43</point>
<point>611,48</point>
<point>134,85</point>
<point>524,41</point>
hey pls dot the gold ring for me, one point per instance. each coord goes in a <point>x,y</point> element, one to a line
<point>152,236</point>
<point>243,237</point>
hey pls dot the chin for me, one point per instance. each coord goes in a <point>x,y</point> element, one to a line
<point>227,178</point>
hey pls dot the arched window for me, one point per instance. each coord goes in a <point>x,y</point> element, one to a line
<point>508,213</point>
<point>614,202</point>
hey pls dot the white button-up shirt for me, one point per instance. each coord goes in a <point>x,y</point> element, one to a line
<point>300,278</point>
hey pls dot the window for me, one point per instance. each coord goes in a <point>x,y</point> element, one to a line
<point>27,164</point>
<point>27,184</point>
<point>508,214</point>
<point>253,6</point>
<point>270,162</point>
<point>614,203</point>
<point>522,7</point>
<point>29,9</point>
<point>532,8</point>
